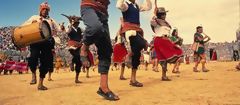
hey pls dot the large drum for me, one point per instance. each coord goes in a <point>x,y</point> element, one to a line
<point>30,34</point>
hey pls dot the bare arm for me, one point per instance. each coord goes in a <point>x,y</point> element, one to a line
<point>122,5</point>
<point>30,20</point>
<point>208,39</point>
<point>153,21</point>
<point>146,6</point>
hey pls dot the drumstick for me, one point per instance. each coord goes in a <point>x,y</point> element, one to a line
<point>70,17</point>
<point>66,16</point>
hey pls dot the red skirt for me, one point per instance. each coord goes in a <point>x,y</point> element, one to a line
<point>214,56</point>
<point>166,50</point>
<point>90,57</point>
<point>119,53</point>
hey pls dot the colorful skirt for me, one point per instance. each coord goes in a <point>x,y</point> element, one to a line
<point>166,50</point>
<point>201,50</point>
<point>90,57</point>
<point>119,53</point>
<point>214,56</point>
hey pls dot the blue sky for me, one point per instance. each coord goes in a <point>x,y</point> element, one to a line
<point>220,18</point>
<point>15,12</point>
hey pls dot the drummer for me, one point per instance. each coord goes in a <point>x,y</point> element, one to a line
<point>42,50</point>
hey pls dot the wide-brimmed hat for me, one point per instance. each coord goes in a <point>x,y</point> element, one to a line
<point>161,10</point>
<point>75,19</point>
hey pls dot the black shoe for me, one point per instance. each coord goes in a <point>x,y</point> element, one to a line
<point>108,95</point>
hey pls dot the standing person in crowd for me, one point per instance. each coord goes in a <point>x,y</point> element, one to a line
<point>51,65</point>
<point>95,17</point>
<point>133,33</point>
<point>9,66</point>
<point>167,52</point>
<point>1,66</point>
<point>91,60</point>
<point>187,59</point>
<point>154,56</point>
<point>42,50</point>
<point>199,53</point>
<point>119,51</point>
<point>146,57</point>
<point>178,42</point>
<point>235,48</point>
<point>58,63</point>
<point>214,55</point>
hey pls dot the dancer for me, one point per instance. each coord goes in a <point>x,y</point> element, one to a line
<point>95,16</point>
<point>74,43</point>
<point>178,42</point>
<point>199,53</point>
<point>133,33</point>
<point>166,51</point>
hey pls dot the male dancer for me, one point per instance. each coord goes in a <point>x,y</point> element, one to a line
<point>133,33</point>
<point>95,16</point>
<point>74,43</point>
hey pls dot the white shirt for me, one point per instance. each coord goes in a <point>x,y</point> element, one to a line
<point>74,29</point>
<point>53,24</point>
<point>162,31</point>
<point>123,6</point>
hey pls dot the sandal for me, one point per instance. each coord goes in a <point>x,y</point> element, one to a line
<point>165,79</point>
<point>136,84</point>
<point>195,69</point>
<point>42,88</point>
<point>176,72</point>
<point>238,67</point>
<point>84,56</point>
<point>34,81</point>
<point>77,81</point>
<point>205,70</point>
<point>122,78</point>
<point>108,95</point>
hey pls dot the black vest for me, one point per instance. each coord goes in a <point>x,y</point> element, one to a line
<point>132,14</point>
<point>76,36</point>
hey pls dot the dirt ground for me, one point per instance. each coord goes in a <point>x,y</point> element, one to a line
<point>220,86</point>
